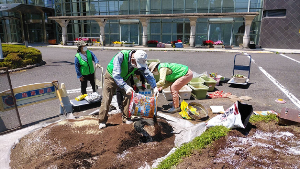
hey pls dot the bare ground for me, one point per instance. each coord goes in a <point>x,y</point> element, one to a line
<point>80,144</point>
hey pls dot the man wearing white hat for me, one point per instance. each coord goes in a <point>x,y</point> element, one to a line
<point>121,67</point>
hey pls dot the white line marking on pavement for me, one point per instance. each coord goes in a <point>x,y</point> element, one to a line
<point>290,58</point>
<point>252,60</point>
<point>88,89</point>
<point>282,88</point>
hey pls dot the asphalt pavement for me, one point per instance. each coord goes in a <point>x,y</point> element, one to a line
<point>273,75</point>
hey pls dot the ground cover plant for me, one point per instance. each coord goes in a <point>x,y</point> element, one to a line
<point>266,145</point>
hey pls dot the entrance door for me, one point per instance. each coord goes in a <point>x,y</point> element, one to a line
<point>220,31</point>
<point>130,33</point>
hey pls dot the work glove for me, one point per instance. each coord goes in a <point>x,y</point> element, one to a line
<point>155,91</point>
<point>129,91</point>
<point>98,65</point>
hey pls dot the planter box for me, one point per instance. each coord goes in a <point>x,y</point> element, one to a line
<point>128,44</point>
<point>117,45</point>
<point>52,41</point>
<point>90,44</point>
<point>185,93</point>
<point>70,44</point>
<point>168,45</point>
<point>218,46</point>
<point>152,45</point>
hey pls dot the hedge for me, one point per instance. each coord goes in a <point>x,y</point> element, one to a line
<point>16,56</point>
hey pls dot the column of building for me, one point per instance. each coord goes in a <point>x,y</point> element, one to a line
<point>246,37</point>
<point>102,23</point>
<point>193,31</point>
<point>64,24</point>
<point>144,22</point>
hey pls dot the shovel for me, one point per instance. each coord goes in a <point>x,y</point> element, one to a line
<point>65,115</point>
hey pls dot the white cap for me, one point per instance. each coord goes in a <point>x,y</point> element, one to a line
<point>141,58</point>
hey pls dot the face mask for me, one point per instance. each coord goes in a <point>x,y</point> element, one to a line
<point>155,73</point>
<point>84,48</point>
<point>133,65</point>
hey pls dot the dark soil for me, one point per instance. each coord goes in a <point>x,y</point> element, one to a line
<point>267,145</point>
<point>80,144</point>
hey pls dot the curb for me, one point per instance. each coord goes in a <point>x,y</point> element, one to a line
<point>22,68</point>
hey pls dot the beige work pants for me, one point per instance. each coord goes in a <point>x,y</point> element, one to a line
<point>109,89</point>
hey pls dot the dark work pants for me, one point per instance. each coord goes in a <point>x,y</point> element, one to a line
<point>86,78</point>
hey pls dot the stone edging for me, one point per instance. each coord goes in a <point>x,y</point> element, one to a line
<point>22,68</point>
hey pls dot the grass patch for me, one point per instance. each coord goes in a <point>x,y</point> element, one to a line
<point>266,119</point>
<point>198,143</point>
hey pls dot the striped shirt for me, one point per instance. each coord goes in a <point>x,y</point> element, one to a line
<point>117,72</point>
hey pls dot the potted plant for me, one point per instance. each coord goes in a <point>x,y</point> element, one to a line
<point>152,43</point>
<point>89,42</point>
<point>218,44</point>
<point>208,43</point>
<point>128,44</point>
<point>173,43</point>
<point>117,44</point>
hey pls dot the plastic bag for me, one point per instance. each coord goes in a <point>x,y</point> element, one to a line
<point>236,116</point>
<point>184,110</point>
<point>141,105</point>
<point>93,97</point>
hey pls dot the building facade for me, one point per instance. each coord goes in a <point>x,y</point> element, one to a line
<point>228,29</point>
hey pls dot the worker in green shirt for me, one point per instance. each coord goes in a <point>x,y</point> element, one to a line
<point>174,75</point>
<point>84,66</point>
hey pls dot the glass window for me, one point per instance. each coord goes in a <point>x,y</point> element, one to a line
<point>166,39</point>
<point>167,6</point>
<point>94,8</point>
<point>95,28</point>
<point>215,6</point>
<point>201,27</point>
<point>155,27</point>
<point>114,7</point>
<point>166,27</point>
<point>255,4</point>
<point>155,6</point>
<point>134,7</point>
<point>200,38</point>
<point>202,6</point>
<point>228,6</point>
<point>144,8</point>
<point>103,6</point>
<point>155,37</point>
<point>111,38</point>
<point>114,28</point>
<point>190,6</point>
<point>178,6</point>
<point>241,6</point>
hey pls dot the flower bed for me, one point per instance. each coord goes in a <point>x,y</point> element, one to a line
<point>152,43</point>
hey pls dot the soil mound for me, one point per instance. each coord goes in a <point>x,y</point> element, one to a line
<point>78,143</point>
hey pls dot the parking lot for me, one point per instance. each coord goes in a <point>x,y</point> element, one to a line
<point>273,76</point>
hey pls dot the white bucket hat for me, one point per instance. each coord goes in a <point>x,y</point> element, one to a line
<point>141,58</point>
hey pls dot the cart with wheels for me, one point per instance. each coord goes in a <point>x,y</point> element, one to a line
<point>99,85</point>
<point>234,80</point>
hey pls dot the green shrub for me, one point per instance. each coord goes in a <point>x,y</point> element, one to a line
<point>14,59</point>
<point>18,55</point>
